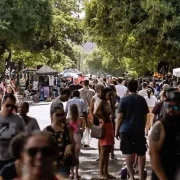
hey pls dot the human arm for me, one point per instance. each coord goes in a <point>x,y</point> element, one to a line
<point>126,91</point>
<point>157,111</point>
<point>118,124</point>
<point>121,111</point>
<point>85,113</point>
<point>156,140</point>
<point>112,102</point>
<point>17,100</point>
<point>117,101</point>
<point>92,109</point>
<point>146,111</point>
<point>98,111</point>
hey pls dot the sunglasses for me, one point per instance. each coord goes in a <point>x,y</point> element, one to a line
<point>10,106</point>
<point>175,108</point>
<point>59,115</point>
<point>45,151</point>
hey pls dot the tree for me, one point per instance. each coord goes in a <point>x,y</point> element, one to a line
<point>99,61</point>
<point>40,31</point>
<point>23,20</point>
<point>144,31</point>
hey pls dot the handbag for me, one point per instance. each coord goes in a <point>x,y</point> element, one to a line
<point>96,131</point>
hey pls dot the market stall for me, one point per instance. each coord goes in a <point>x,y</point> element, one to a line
<point>176,72</point>
<point>72,73</point>
<point>25,78</point>
<point>47,79</point>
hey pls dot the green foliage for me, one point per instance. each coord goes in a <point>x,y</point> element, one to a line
<point>40,31</point>
<point>145,31</point>
<point>100,61</point>
<point>22,20</point>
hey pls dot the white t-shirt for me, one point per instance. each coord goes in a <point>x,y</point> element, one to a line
<point>151,102</point>
<point>121,90</point>
<point>143,93</point>
<point>35,85</point>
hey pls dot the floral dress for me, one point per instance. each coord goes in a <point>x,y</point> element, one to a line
<point>62,139</point>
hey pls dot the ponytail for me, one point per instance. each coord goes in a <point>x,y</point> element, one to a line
<point>149,91</point>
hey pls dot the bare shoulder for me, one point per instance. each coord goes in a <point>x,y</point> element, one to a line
<point>156,131</point>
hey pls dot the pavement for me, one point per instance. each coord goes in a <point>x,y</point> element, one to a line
<point>88,165</point>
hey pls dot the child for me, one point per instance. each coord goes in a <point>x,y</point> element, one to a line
<point>76,123</point>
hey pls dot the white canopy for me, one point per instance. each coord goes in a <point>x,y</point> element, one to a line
<point>70,75</point>
<point>176,72</point>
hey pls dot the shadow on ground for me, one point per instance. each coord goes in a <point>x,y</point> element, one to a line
<point>89,166</point>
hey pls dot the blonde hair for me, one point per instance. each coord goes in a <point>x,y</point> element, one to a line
<point>13,91</point>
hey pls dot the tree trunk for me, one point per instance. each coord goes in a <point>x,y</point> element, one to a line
<point>20,67</point>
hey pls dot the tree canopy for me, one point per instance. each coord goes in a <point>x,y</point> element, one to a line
<point>143,31</point>
<point>98,61</point>
<point>40,31</point>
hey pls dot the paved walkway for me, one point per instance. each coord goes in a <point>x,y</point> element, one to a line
<point>88,166</point>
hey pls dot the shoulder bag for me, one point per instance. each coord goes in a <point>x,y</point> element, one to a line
<point>96,131</point>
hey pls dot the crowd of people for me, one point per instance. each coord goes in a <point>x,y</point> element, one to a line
<point>143,114</point>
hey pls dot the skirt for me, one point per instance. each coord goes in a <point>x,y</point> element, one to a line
<point>108,135</point>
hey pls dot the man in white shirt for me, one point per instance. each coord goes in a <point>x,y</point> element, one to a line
<point>121,89</point>
<point>143,92</point>
<point>82,108</point>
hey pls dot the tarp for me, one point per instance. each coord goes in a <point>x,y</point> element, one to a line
<point>176,72</point>
<point>46,70</point>
<point>27,70</point>
<point>70,75</point>
<point>70,70</point>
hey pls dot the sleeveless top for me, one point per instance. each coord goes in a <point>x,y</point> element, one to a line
<point>170,152</point>
<point>97,101</point>
<point>62,139</point>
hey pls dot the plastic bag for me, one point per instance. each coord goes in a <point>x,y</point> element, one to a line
<point>86,137</point>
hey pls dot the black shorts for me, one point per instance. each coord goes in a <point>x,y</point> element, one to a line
<point>133,143</point>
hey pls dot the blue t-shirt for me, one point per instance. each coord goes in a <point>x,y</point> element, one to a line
<point>134,109</point>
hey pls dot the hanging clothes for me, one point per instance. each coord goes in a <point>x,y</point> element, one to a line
<point>46,92</point>
<point>51,80</point>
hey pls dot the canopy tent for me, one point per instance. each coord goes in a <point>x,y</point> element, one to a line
<point>176,72</point>
<point>70,70</point>
<point>27,70</point>
<point>46,70</point>
<point>70,75</point>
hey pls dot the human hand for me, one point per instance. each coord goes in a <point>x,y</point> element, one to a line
<point>68,151</point>
<point>117,135</point>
